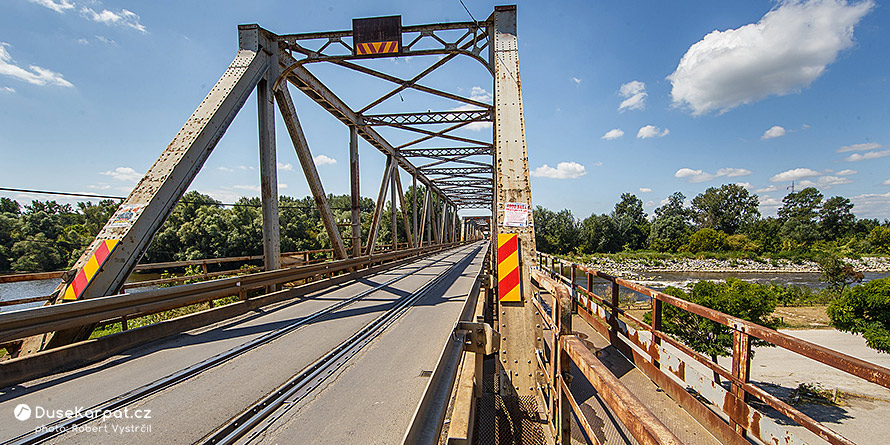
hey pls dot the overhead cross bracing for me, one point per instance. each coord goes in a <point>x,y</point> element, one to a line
<point>411,133</point>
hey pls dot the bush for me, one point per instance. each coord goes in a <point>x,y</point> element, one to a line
<point>706,240</point>
<point>865,309</point>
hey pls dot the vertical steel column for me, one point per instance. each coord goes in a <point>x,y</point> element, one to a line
<point>392,206</point>
<point>301,146</point>
<point>268,166</point>
<point>354,190</point>
<point>424,219</point>
<point>409,236</point>
<point>414,208</point>
<point>517,324</point>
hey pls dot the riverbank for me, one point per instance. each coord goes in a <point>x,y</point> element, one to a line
<point>621,266</point>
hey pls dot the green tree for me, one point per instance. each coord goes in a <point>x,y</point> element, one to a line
<point>37,254</point>
<point>630,222</point>
<point>879,239</point>
<point>555,232</point>
<point>836,218</point>
<point>798,214</point>
<point>668,233</point>
<point>748,301</point>
<point>599,235</point>
<point>865,310</point>
<point>10,206</point>
<point>728,209</point>
<point>765,232</point>
<point>837,273</point>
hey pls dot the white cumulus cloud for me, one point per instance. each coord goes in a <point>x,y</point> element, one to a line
<point>7,90</point>
<point>60,6</point>
<point>323,160</point>
<point>770,188</point>
<point>887,182</point>
<point>478,94</point>
<point>285,166</point>
<point>645,190</point>
<point>577,80</point>
<point>825,182</point>
<point>563,170</point>
<point>867,155</point>
<point>785,51</point>
<point>634,94</point>
<point>651,131</point>
<point>774,132</point>
<point>701,176</point>
<point>614,133</point>
<point>123,18</point>
<point>847,172</point>
<point>34,75</point>
<point>794,174</point>
<point>126,174</point>
<point>860,147</point>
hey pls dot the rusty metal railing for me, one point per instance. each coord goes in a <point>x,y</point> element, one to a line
<point>565,348</point>
<point>646,345</point>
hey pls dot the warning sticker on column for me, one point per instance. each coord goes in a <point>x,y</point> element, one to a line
<point>516,214</point>
<point>126,215</point>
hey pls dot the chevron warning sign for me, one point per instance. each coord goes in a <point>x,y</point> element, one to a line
<point>377,48</point>
<point>85,275</point>
<point>508,268</point>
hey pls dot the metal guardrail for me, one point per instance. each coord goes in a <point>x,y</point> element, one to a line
<point>305,257</point>
<point>39,320</point>
<point>646,346</point>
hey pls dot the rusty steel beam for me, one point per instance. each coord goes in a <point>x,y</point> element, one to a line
<point>397,185</point>
<point>301,146</point>
<point>456,171</point>
<point>378,209</point>
<point>435,153</point>
<point>355,196</point>
<point>269,165</point>
<point>435,134</point>
<point>407,83</point>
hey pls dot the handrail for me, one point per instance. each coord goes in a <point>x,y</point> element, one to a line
<point>34,321</point>
<point>742,415</point>
<point>639,420</point>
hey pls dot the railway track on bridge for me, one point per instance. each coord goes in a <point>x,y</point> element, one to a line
<point>253,421</point>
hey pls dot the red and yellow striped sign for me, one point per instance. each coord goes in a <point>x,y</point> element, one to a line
<point>508,268</point>
<point>85,275</point>
<point>377,48</point>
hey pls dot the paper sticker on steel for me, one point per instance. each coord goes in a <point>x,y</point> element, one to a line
<point>508,268</point>
<point>85,275</point>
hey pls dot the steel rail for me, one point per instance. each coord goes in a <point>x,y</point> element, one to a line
<point>59,427</point>
<point>310,377</point>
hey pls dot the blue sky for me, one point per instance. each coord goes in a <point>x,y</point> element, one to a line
<point>642,97</point>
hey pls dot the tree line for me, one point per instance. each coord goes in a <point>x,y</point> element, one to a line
<point>721,219</point>
<point>46,236</point>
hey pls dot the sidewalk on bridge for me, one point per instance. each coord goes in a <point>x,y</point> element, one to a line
<point>675,418</point>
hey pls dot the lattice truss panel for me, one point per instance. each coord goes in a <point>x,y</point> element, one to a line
<point>429,103</point>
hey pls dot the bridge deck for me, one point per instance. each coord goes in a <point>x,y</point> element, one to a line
<point>372,398</point>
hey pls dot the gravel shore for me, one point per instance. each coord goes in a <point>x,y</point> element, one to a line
<point>608,265</point>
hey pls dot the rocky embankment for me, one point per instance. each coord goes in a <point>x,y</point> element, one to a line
<point>609,265</point>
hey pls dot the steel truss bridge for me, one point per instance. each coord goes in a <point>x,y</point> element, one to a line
<point>458,333</point>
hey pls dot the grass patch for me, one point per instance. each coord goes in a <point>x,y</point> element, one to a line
<point>146,320</point>
<point>814,393</point>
